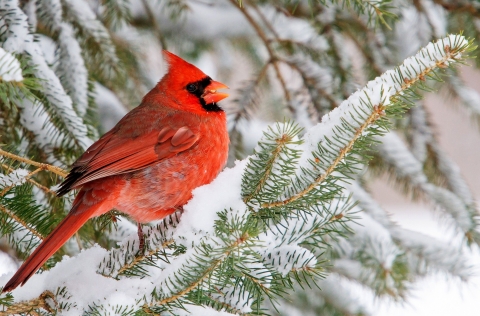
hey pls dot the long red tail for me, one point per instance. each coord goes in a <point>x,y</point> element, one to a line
<point>48,247</point>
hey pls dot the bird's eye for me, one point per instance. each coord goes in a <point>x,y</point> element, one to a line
<point>191,87</point>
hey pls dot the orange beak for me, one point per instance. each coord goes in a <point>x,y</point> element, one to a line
<point>210,94</point>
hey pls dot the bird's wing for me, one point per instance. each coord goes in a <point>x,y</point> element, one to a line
<point>112,155</point>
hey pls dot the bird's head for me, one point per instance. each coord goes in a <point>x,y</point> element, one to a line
<point>189,88</point>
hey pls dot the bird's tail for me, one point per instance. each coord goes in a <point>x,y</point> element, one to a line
<point>48,247</point>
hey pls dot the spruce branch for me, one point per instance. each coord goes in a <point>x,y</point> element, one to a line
<point>30,307</point>
<point>41,166</point>
<point>117,13</point>
<point>395,84</point>
<point>423,253</point>
<point>26,177</point>
<point>127,259</point>
<point>281,143</point>
<point>378,111</point>
<point>35,183</point>
<point>155,24</point>
<point>24,224</point>
<point>213,262</point>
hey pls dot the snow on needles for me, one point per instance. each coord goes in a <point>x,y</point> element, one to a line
<point>20,40</point>
<point>16,177</point>
<point>10,69</point>
<point>359,106</point>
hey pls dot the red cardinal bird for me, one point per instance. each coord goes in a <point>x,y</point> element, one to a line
<point>149,163</point>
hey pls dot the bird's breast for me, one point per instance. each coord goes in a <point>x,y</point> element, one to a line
<point>155,191</point>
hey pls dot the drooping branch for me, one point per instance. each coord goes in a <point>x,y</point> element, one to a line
<point>378,109</point>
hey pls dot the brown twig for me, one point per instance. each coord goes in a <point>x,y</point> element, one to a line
<point>156,26</point>
<point>21,222</point>
<point>273,57</point>
<point>28,307</point>
<point>6,189</point>
<point>42,187</point>
<point>43,166</point>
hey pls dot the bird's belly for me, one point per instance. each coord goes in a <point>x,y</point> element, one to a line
<point>156,191</point>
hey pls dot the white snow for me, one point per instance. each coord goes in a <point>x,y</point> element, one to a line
<point>35,119</point>
<point>10,69</point>
<point>19,40</point>
<point>14,178</point>
<point>200,212</point>
<point>72,69</point>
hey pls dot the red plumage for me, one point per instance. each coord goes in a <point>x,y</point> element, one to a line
<point>149,163</point>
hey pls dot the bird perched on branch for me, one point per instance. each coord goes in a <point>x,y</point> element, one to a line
<point>149,163</point>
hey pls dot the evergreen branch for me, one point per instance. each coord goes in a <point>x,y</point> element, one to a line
<point>317,84</point>
<point>458,6</point>
<point>141,257</point>
<point>466,219</point>
<point>116,13</point>
<point>128,257</point>
<point>228,307</point>
<point>410,76</point>
<point>281,143</point>
<point>248,96</point>
<point>264,20</point>
<point>423,252</point>
<point>367,53</point>
<point>205,274</point>
<point>35,183</point>
<point>28,307</point>
<point>155,24</point>
<point>21,222</point>
<point>7,188</point>
<point>270,170</point>
<point>42,166</point>
<point>379,111</point>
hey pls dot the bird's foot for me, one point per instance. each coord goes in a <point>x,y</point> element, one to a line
<point>179,209</point>
<point>141,238</point>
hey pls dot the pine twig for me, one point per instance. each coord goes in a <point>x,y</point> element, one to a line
<point>143,256</point>
<point>156,26</point>
<point>42,166</point>
<point>28,306</point>
<point>175,296</point>
<point>6,189</point>
<point>21,222</point>
<point>376,114</point>
<point>35,183</point>
<point>281,143</point>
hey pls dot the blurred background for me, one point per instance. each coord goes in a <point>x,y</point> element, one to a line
<point>459,136</point>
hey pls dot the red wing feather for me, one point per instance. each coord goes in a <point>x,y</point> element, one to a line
<point>112,155</point>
